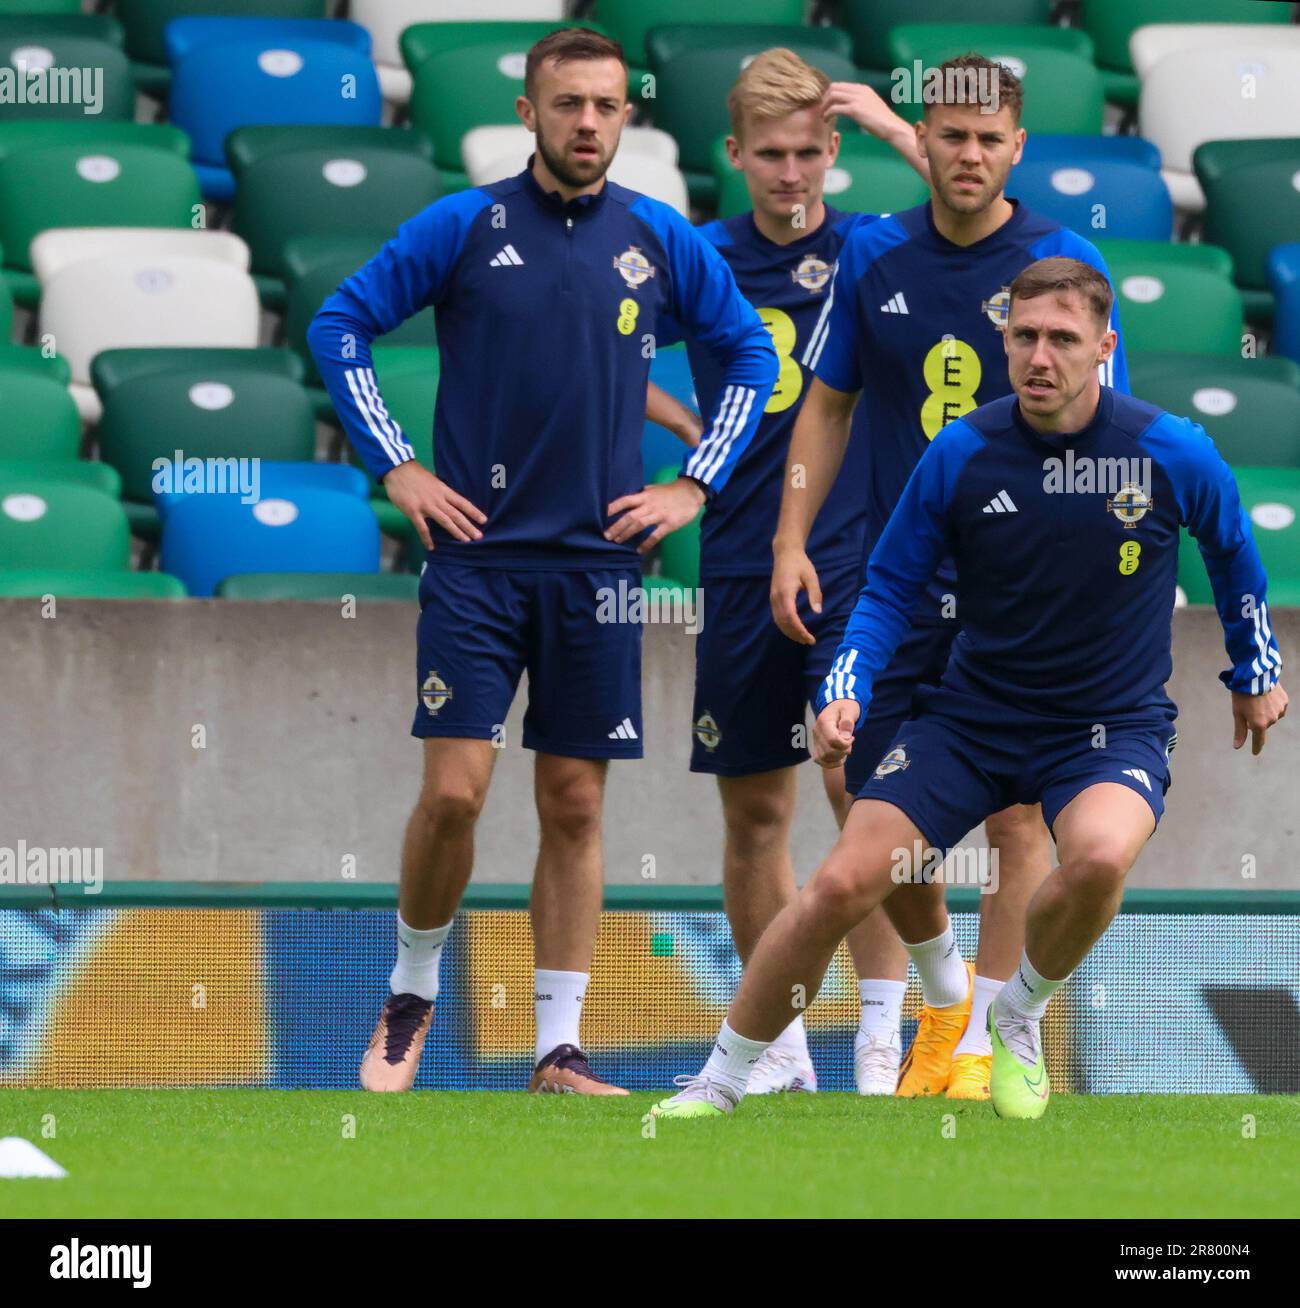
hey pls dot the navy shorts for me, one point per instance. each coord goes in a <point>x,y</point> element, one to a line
<point>919,661</point>
<point>480,628</point>
<point>753,683</point>
<point>961,758</point>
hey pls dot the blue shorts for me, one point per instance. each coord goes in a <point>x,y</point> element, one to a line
<point>480,628</point>
<point>919,661</point>
<point>961,758</point>
<point>752,682</point>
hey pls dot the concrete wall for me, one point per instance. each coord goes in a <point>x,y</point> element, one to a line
<point>308,757</point>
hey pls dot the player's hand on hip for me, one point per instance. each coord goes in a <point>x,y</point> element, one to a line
<point>833,732</point>
<point>420,495</point>
<point>664,507</point>
<point>792,572</point>
<point>1254,714</point>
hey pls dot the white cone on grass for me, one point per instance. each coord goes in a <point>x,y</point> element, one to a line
<point>20,1159</point>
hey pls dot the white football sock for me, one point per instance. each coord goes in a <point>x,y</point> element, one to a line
<point>419,957</point>
<point>944,980</point>
<point>882,1008</point>
<point>1027,992</point>
<point>794,1040</point>
<point>975,1039</point>
<point>733,1059</point>
<point>557,1001</point>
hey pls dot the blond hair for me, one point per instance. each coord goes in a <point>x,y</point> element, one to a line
<point>776,83</point>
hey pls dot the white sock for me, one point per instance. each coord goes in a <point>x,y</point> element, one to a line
<point>557,1001</point>
<point>419,957</point>
<point>882,1009</point>
<point>794,1040</point>
<point>733,1059</point>
<point>944,980</point>
<point>1027,992</point>
<point>975,1039</point>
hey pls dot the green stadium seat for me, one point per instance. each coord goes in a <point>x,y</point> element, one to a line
<point>1110,23</point>
<point>911,41</point>
<point>1251,205</point>
<point>205,413</point>
<point>679,551</point>
<point>870,23</point>
<point>868,177</point>
<point>144,21</point>
<point>82,472</point>
<point>1063,91</point>
<point>77,185</point>
<point>6,305</point>
<point>1162,254</point>
<point>1271,498</point>
<point>323,586</point>
<point>1253,419</point>
<point>420,41</point>
<point>40,417</point>
<point>666,43</point>
<point>22,133</point>
<point>26,8</point>
<point>32,358</point>
<point>1154,366</point>
<point>113,89</point>
<point>32,27</point>
<point>315,265</point>
<point>1168,308</point>
<point>48,523</point>
<point>324,191</point>
<point>246,145</point>
<point>691,105</point>
<point>77,583</point>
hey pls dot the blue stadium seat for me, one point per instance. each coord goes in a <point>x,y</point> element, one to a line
<point>218,87</point>
<point>207,538</point>
<point>183,35</point>
<point>670,370</point>
<point>1284,277</point>
<point>281,479</point>
<point>1078,151</point>
<point>1134,199</point>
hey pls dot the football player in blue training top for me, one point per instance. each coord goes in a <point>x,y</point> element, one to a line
<point>1061,506</point>
<point>913,336</point>
<point>752,683</point>
<point>546,286</point>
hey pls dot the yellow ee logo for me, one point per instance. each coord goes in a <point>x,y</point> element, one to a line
<point>1129,557</point>
<point>952,375</point>
<point>789,381</point>
<point>627,315</point>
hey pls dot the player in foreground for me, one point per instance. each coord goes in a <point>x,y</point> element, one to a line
<point>752,684</point>
<point>913,338</point>
<point>546,286</point>
<point>1054,693</point>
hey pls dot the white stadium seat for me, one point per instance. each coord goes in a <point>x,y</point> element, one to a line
<point>1149,44</point>
<point>386,20</point>
<point>144,300</point>
<point>58,247</point>
<point>1217,93</point>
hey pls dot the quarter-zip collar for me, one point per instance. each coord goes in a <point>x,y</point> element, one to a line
<point>581,206</point>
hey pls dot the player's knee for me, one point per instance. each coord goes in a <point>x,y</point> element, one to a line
<point>756,816</point>
<point>1100,871</point>
<point>570,810</point>
<point>453,801</point>
<point>837,895</point>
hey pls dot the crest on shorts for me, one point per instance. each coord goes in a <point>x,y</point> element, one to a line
<point>707,733</point>
<point>1130,504</point>
<point>998,308</point>
<point>633,266</point>
<point>895,761</point>
<point>812,273</point>
<point>435,693</point>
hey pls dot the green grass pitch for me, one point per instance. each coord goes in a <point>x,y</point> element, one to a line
<point>254,1153</point>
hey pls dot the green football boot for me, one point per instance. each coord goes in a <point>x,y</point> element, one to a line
<point>1019,1086</point>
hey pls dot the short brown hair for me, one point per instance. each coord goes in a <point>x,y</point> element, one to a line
<point>569,43</point>
<point>959,81</point>
<point>1060,274</point>
<point>773,84</point>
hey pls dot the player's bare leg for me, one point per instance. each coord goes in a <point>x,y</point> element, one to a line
<point>1099,835</point>
<point>787,968</point>
<point>437,859</point>
<point>1024,853</point>
<point>568,884</point>
<point>757,883</point>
